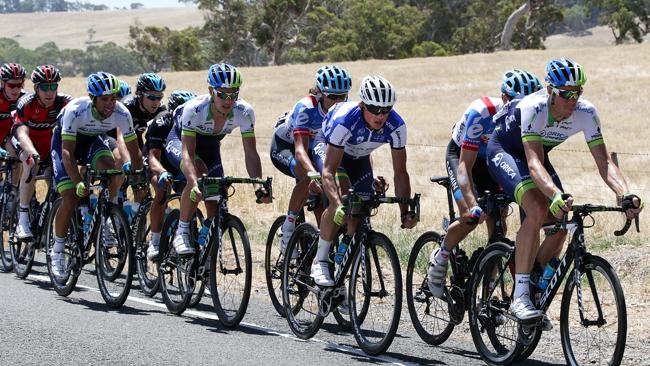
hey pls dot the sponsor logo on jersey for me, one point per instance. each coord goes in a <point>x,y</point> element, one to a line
<point>474,131</point>
<point>503,165</point>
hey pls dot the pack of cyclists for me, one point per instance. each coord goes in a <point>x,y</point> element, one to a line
<point>324,142</point>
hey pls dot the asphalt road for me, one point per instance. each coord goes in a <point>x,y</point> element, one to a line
<point>39,327</point>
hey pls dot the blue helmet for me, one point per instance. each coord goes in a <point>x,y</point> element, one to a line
<point>518,83</point>
<point>150,82</point>
<point>333,79</point>
<point>102,83</point>
<point>224,76</point>
<point>178,97</point>
<point>125,89</point>
<point>564,72</point>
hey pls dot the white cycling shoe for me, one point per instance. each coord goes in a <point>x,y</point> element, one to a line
<point>320,272</point>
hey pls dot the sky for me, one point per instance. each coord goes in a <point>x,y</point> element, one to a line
<point>147,3</point>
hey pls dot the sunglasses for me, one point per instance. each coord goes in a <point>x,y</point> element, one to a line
<point>48,87</point>
<point>152,97</point>
<point>225,96</point>
<point>378,110</point>
<point>14,85</point>
<point>336,96</point>
<point>568,94</point>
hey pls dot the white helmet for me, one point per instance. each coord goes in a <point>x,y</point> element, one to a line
<point>377,91</point>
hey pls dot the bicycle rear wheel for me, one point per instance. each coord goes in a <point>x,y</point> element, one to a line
<point>597,334</point>
<point>22,251</point>
<point>173,269</point>
<point>114,264</point>
<point>273,264</point>
<point>147,269</point>
<point>375,325</point>
<point>231,272</point>
<point>299,292</point>
<point>7,221</point>
<point>429,315</point>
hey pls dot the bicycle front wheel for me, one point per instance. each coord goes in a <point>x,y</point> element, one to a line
<point>114,257</point>
<point>173,269</point>
<point>273,264</point>
<point>231,272</point>
<point>8,222</point>
<point>375,294</point>
<point>429,315</point>
<point>593,322</point>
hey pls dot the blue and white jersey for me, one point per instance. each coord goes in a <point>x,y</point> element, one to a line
<point>344,127</point>
<point>304,119</point>
<point>474,129</point>
<point>77,117</point>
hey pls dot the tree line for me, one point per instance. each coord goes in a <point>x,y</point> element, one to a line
<point>264,32</point>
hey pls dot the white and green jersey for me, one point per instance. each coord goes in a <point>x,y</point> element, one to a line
<point>78,118</point>
<point>197,120</point>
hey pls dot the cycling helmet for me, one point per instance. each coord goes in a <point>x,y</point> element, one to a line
<point>178,97</point>
<point>518,83</point>
<point>564,72</point>
<point>102,83</point>
<point>150,82</point>
<point>12,71</point>
<point>224,76</point>
<point>125,89</point>
<point>333,79</point>
<point>45,74</point>
<point>377,91</point>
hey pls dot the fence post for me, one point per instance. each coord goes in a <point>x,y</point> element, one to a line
<point>614,155</point>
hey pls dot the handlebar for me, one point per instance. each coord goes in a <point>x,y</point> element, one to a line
<point>352,199</point>
<point>225,182</point>
<point>587,209</point>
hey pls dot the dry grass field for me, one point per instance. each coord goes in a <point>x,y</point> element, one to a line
<point>70,30</point>
<point>432,94</point>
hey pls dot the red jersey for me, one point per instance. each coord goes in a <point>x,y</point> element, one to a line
<point>6,107</point>
<point>32,114</point>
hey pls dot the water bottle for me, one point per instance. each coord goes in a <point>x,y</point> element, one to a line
<point>343,247</point>
<point>93,200</point>
<point>87,217</point>
<point>548,273</point>
<point>203,233</point>
<point>128,210</point>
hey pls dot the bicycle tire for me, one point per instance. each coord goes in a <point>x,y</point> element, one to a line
<point>230,257</point>
<point>114,293</point>
<point>147,269</point>
<point>297,284</point>
<point>484,314</point>
<point>374,242</point>
<point>197,294</point>
<point>5,245</point>
<point>169,272</point>
<point>22,251</point>
<point>273,265</point>
<point>590,265</point>
<point>418,297</point>
<point>72,251</point>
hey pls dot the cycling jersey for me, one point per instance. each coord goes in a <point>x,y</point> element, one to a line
<point>473,130</point>
<point>6,107</point>
<point>156,137</point>
<point>304,119</point>
<point>344,127</point>
<point>140,118</point>
<point>39,120</point>
<point>77,118</point>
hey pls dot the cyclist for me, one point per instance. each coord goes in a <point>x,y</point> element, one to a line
<point>518,160</point>
<point>351,131</point>
<point>193,145</point>
<point>293,138</point>
<point>31,134</point>
<point>125,91</point>
<point>79,138</point>
<point>465,165</point>
<point>160,168</point>
<point>12,79</point>
<point>143,106</point>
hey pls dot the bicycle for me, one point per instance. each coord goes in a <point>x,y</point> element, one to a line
<point>228,258</point>
<point>24,251</point>
<point>8,210</point>
<point>434,319</point>
<point>114,264</point>
<point>492,287</point>
<point>375,283</point>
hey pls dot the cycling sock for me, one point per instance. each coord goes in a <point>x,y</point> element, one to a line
<point>323,250</point>
<point>155,238</point>
<point>23,213</point>
<point>59,244</point>
<point>522,284</point>
<point>442,256</point>
<point>289,223</point>
<point>183,227</point>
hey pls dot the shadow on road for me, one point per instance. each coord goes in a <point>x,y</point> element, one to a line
<point>102,307</point>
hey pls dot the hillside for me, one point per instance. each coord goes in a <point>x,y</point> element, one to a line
<point>70,30</point>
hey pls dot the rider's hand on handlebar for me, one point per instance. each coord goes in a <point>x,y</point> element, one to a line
<point>560,205</point>
<point>475,215</point>
<point>126,167</point>
<point>634,202</point>
<point>163,179</point>
<point>81,190</point>
<point>262,195</point>
<point>195,194</point>
<point>314,182</point>
<point>380,185</point>
<point>408,220</point>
